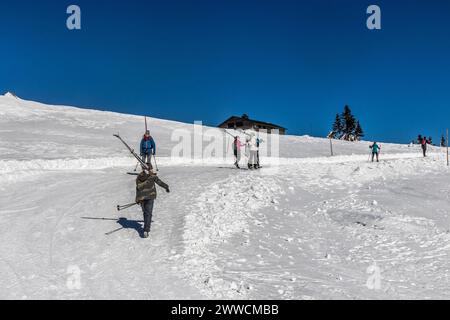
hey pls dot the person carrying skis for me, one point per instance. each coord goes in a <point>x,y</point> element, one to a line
<point>237,150</point>
<point>424,143</point>
<point>148,147</point>
<point>146,194</point>
<point>375,150</point>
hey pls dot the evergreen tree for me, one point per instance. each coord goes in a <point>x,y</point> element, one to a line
<point>349,122</point>
<point>337,126</point>
<point>359,133</point>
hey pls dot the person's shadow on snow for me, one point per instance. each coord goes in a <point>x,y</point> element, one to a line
<point>130,224</point>
<point>124,224</point>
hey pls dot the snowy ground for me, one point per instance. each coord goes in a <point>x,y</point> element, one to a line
<point>310,228</point>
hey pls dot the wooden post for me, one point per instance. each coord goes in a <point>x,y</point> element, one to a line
<point>447,149</point>
<point>331,147</point>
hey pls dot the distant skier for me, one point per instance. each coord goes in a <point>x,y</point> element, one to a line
<point>253,149</point>
<point>375,151</point>
<point>148,147</point>
<point>424,143</point>
<point>237,150</point>
<point>146,195</point>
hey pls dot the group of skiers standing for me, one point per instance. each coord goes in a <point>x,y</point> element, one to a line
<point>252,143</point>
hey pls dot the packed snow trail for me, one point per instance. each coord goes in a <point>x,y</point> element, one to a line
<point>308,228</point>
<point>55,222</point>
<point>287,232</point>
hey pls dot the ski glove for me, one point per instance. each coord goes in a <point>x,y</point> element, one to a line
<point>167,190</point>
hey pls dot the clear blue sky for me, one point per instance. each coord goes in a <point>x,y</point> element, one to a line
<point>294,63</point>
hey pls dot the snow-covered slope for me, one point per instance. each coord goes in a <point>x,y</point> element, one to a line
<point>311,227</point>
<point>30,130</point>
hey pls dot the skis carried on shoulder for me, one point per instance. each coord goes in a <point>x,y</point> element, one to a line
<point>143,164</point>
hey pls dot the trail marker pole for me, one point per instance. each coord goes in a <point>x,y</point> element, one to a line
<point>448,163</point>
<point>331,147</point>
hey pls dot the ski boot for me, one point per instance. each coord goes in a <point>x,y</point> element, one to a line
<point>146,234</point>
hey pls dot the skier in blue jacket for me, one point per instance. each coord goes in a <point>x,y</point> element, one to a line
<point>148,147</point>
<point>375,150</point>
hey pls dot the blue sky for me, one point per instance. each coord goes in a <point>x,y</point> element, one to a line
<point>294,63</point>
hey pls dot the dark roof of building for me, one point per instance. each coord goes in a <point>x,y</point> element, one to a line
<point>244,117</point>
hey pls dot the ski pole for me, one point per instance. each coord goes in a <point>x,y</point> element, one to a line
<point>156,165</point>
<point>135,168</point>
<point>126,206</point>
<point>229,133</point>
<point>111,232</point>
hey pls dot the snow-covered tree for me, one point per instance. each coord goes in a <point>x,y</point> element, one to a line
<point>337,126</point>
<point>359,133</point>
<point>349,121</point>
<point>346,127</point>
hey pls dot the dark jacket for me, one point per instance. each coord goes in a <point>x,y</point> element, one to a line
<point>145,186</point>
<point>148,146</point>
<point>424,143</point>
